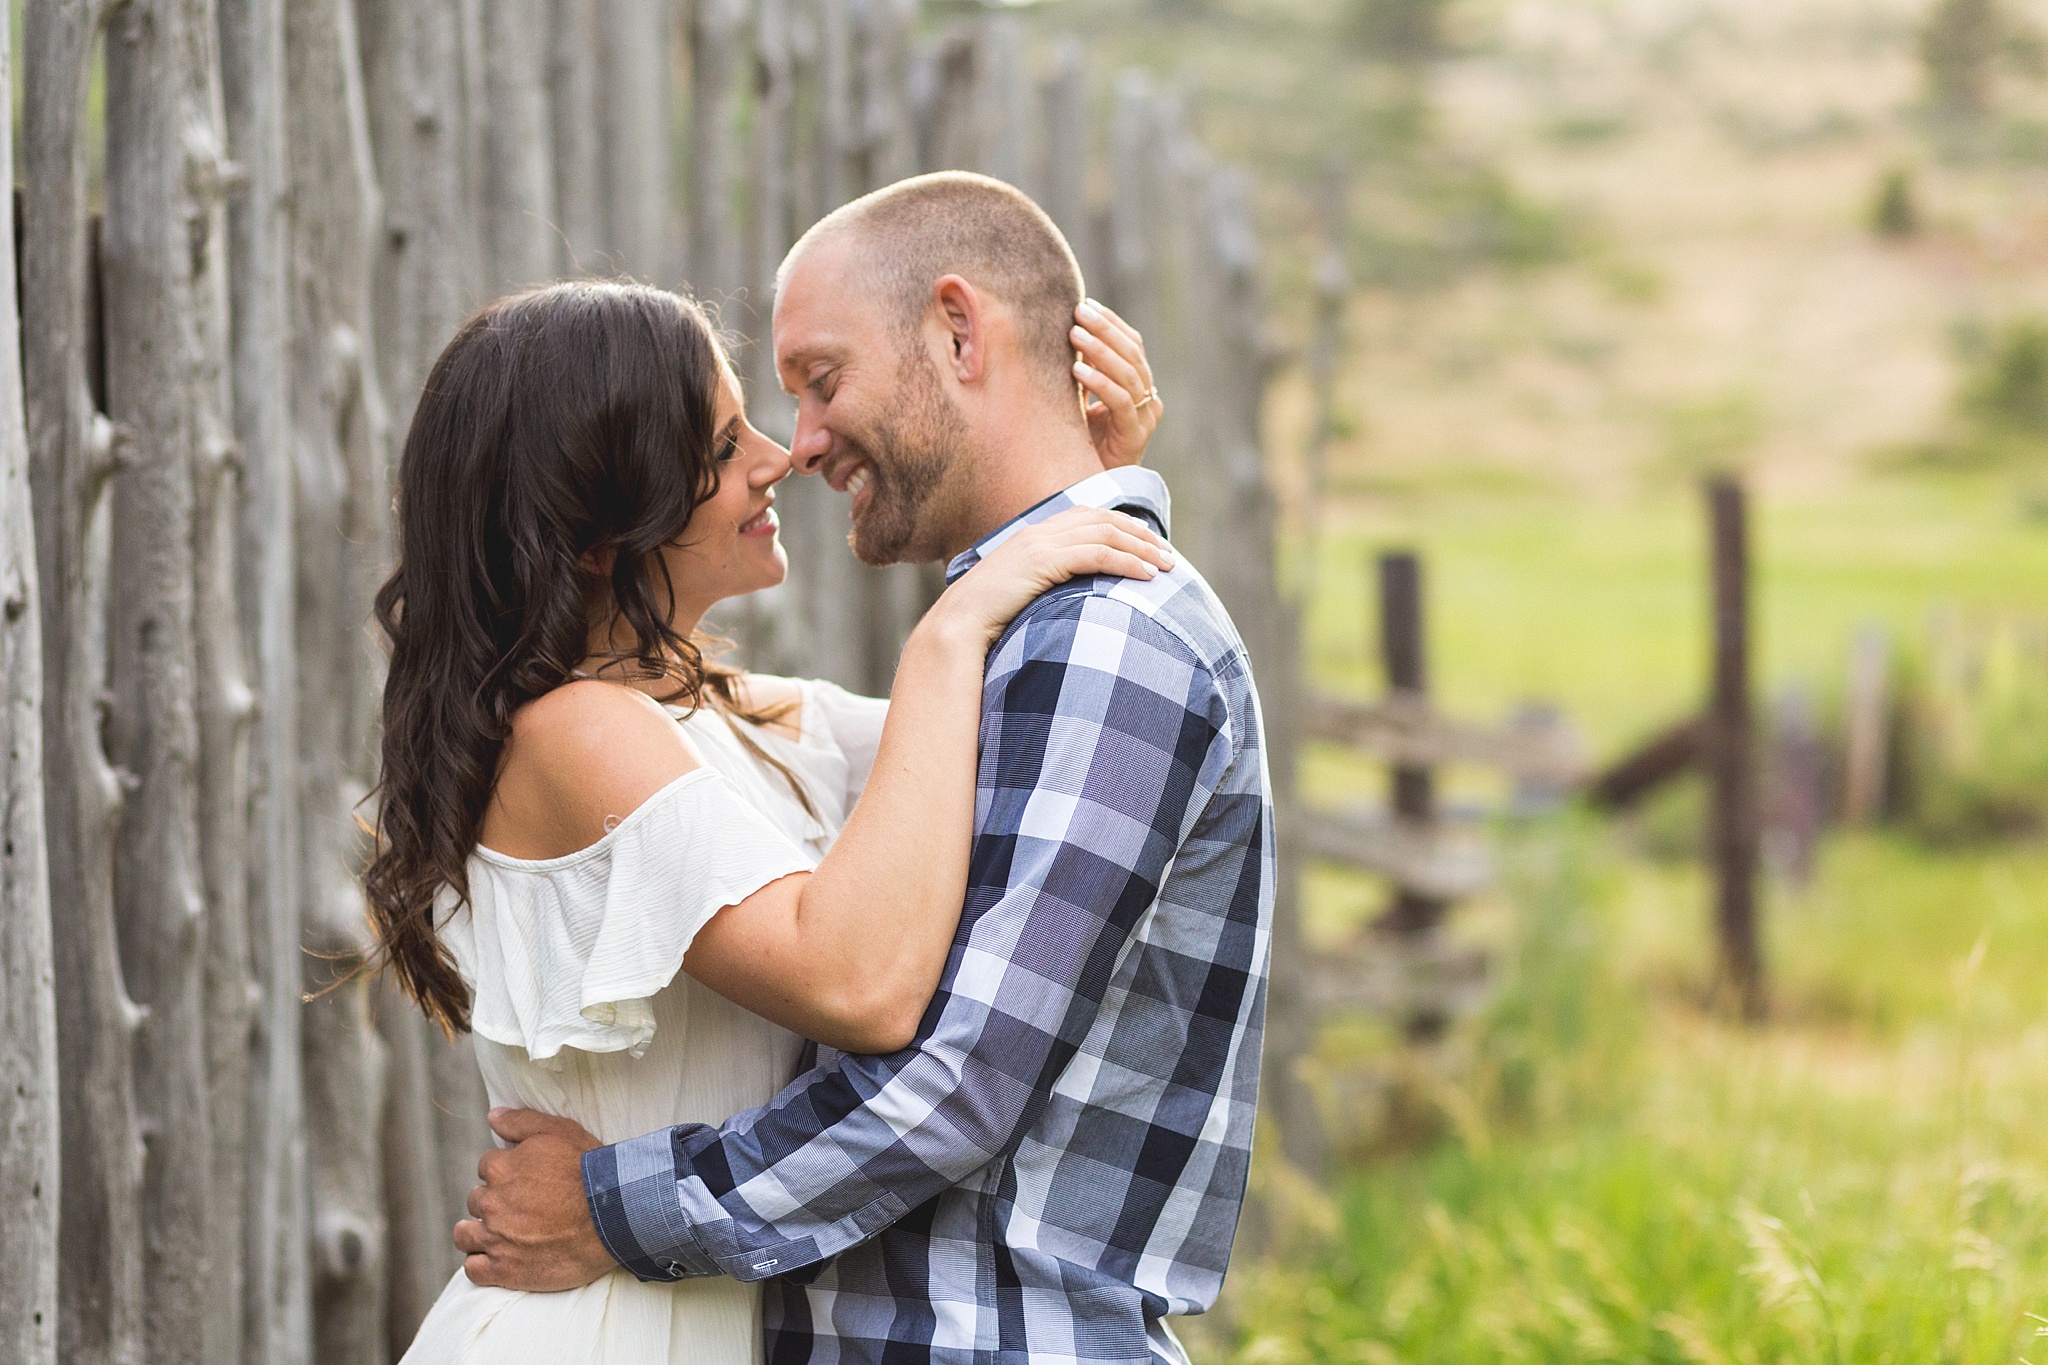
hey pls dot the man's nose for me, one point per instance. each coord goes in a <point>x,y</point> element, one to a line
<point>811,443</point>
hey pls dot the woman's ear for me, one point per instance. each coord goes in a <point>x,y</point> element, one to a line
<point>960,312</point>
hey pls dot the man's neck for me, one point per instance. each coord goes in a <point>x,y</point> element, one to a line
<point>1020,471</point>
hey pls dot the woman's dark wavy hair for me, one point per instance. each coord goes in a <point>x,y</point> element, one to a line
<point>568,420</point>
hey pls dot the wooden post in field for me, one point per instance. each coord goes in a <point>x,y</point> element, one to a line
<point>1731,756</point>
<point>1868,726</point>
<point>28,1007</point>
<point>1402,654</point>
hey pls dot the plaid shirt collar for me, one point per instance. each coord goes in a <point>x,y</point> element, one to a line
<point>1129,488</point>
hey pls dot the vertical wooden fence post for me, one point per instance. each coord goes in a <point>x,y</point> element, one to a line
<point>635,122</point>
<point>1062,174</point>
<point>888,131</point>
<point>1403,655</point>
<point>164,251</point>
<point>340,432</point>
<point>254,62</point>
<point>226,706</point>
<point>1233,362</point>
<point>1003,102</point>
<point>1732,752</point>
<point>1131,287</point>
<point>28,1007</point>
<point>769,183</point>
<point>1868,726</point>
<point>573,76</point>
<point>73,451</point>
<point>716,64</point>
<point>517,191</point>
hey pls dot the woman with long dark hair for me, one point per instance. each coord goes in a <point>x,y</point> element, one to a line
<point>630,871</point>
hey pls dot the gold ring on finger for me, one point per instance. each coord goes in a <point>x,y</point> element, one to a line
<point>1151,396</point>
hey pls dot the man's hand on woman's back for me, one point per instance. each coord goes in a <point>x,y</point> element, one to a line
<point>529,1225</point>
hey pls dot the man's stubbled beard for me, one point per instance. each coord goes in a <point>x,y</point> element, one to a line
<point>909,452</point>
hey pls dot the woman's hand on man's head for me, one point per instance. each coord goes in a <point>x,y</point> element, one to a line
<point>1123,406</point>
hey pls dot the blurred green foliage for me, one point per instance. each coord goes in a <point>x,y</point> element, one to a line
<point>2005,389</point>
<point>1285,85</point>
<point>1894,212</point>
<point>1397,30</point>
<point>1960,47</point>
<point>1633,1180</point>
<point>1613,1172</point>
<point>1975,697</point>
<point>1999,409</point>
<point>1714,434</point>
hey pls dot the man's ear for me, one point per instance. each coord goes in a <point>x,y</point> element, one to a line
<point>960,310</point>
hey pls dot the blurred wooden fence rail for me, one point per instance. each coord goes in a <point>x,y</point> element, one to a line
<point>301,202</point>
<point>1408,971</point>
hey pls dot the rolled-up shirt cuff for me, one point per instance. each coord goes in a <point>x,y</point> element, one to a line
<point>631,1188</point>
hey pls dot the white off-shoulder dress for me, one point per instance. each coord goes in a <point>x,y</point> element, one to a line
<point>581,1010</point>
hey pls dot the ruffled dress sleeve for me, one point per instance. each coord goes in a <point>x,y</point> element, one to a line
<point>569,952</point>
<point>854,723</point>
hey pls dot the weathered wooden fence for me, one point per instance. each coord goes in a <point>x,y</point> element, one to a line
<point>1407,970</point>
<point>218,1143</point>
<point>1719,741</point>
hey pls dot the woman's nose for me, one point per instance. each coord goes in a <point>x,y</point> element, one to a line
<point>773,466</point>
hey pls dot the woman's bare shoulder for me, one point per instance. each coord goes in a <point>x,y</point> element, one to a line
<point>579,759</point>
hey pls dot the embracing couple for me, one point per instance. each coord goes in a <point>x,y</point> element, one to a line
<point>824,1028</point>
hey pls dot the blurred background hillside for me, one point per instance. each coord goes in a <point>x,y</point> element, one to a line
<point>1594,250</point>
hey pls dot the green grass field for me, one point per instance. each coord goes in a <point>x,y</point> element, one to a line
<point>1615,1171</point>
<point>1601,604</point>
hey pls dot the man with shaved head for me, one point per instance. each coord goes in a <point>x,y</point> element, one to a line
<point>1057,1162</point>
<point>943,272</point>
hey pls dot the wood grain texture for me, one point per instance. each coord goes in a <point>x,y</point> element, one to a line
<point>275,1312</point>
<point>340,444</point>
<point>634,123</point>
<point>28,1008</point>
<point>73,454</point>
<point>517,184</point>
<point>157,250</point>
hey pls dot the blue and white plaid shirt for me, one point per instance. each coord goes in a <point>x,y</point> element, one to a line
<point>1059,1160</point>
